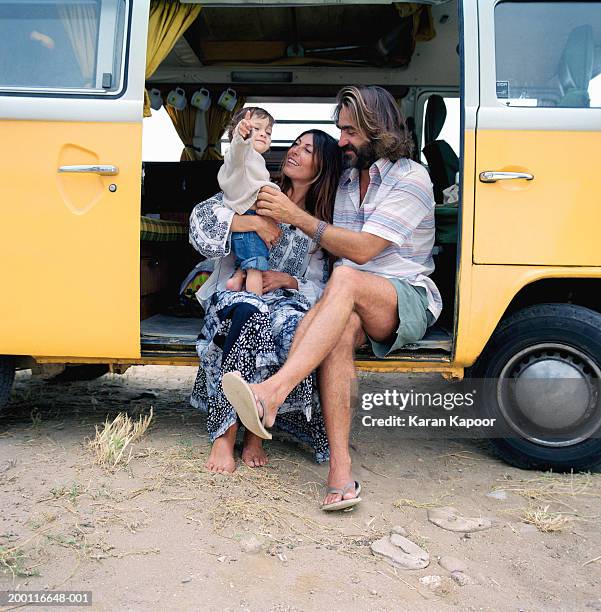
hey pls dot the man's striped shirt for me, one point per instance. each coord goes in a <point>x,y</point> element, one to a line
<point>399,207</point>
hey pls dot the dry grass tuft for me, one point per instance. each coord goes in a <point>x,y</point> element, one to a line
<point>558,489</point>
<point>411,503</point>
<point>545,520</point>
<point>111,442</point>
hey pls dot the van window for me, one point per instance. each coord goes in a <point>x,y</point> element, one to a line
<point>68,45</point>
<point>451,128</point>
<point>548,54</point>
<point>293,118</point>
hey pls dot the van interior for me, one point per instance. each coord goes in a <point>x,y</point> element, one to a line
<point>302,55</point>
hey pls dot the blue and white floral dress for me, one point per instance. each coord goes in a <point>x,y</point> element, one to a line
<point>242,331</point>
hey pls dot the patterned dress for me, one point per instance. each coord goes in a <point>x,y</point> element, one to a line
<point>252,334</point>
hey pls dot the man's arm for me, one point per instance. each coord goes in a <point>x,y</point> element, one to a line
<point>359,247</point>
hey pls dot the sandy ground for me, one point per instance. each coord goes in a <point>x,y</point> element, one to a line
<point>162,532</point>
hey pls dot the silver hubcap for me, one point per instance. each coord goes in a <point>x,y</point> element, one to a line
<point>549,394</point>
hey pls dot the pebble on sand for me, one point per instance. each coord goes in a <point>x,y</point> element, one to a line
<point>451,519</point>
<point>401,552</point>
<point>452,564</point>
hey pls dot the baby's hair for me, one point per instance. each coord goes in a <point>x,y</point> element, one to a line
<point>255,111</point>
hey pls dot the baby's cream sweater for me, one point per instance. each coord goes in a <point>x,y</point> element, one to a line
<point>242,175</point>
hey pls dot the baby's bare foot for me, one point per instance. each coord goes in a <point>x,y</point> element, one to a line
<point>236,282</point>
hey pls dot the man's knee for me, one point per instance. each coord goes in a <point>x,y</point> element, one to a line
<point>343,277</point>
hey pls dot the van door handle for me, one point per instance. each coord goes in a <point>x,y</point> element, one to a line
<point>493,177</point>
<point>104,170</point>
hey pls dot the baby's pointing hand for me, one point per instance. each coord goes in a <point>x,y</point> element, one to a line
<point>245,126</point>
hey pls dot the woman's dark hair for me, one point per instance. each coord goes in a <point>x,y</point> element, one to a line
<point>320,197</point>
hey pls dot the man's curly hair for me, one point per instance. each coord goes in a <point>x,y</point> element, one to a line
<point>377,114</point>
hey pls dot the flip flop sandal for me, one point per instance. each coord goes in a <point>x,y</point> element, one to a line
<point>343,503</point>
<point>241,397</point>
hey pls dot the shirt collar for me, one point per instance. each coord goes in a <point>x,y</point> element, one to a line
<point>378,167</point>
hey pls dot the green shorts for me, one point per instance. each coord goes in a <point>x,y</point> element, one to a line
<point>414,318</point>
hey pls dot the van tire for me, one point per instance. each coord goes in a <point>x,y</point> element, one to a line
<point>7,376</point>
<point>563,339</point>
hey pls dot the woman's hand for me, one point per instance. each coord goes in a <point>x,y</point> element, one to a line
<point>273,280</point>
<point>268,230</point>
<point>278,206</point>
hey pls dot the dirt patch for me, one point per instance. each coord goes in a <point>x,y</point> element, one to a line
<point>162,531</point>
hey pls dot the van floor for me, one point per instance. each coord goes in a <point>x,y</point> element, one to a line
<point>167,333</point>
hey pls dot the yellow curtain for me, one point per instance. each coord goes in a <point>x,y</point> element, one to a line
<point>217,120</point>
<point>423,22</point>
<point>167,22</point>
<point>81,24</point>
<point>184,122</point>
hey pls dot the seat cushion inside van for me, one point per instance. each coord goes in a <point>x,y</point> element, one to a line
<point>162,230</point>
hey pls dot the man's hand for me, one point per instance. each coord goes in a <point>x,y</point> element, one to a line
<point>273,280</point>
<point>278,206</point>
<point>245,128</point>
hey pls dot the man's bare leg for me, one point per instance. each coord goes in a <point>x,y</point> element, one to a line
<point>337,377</point>
<point>221,460</point>
<point>372,297</point>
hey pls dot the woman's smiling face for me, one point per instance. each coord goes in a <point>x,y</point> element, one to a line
<point>300,160</point>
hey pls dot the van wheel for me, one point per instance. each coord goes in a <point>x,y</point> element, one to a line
<point>541,378</point>
<point>7,376</point>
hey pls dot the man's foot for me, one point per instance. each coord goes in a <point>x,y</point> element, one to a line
<point>269,400</point>
<point>236,282</point>
<point>252,451</point>
<point>221,459</point>
<point>338,478</point>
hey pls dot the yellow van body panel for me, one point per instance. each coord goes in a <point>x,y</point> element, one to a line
<point>493,288</point>
<point>69,252</point>
<point>552,220</point>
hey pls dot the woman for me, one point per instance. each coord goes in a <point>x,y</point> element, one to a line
<point>253,334</point>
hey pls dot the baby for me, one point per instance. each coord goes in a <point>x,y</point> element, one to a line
<point>241,177</point>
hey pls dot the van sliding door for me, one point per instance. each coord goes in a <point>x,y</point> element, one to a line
<point>71,87</point>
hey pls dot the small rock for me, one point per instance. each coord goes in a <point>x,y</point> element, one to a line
<point>451,519</point>
<point>451,564</point>
<point>500,494</point>
<point>460,578</point>
<point>401,552</point>
<point>399,531</point>
<point>528,529</point>
<point>188,579</point>
<point>221,559</point>
<point>432,582</point>
<point>374,592</point>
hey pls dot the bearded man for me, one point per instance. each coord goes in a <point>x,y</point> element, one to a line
<point>379,290</point>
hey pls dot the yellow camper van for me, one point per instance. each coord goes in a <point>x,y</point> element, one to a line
<point>504,103</point>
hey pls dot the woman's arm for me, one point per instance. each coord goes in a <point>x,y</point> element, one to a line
<point>211,224</point>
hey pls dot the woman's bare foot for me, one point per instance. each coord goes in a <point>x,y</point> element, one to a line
<point>252,451</point>
<point>236,282</point>
<point>221,459</point>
